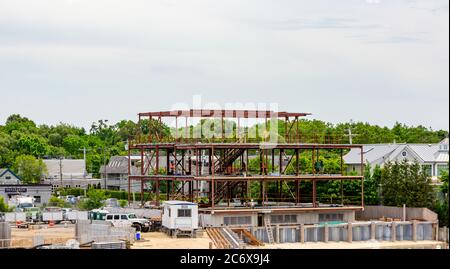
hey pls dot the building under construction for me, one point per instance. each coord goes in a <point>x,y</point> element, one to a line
<point>241,175</point>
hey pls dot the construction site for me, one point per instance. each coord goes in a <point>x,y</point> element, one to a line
<point>228,186</point>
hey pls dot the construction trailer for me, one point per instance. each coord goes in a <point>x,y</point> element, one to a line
<point>281,186</point>
<point>180,218</point>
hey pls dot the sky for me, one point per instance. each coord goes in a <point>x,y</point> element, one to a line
<point>78,61</point>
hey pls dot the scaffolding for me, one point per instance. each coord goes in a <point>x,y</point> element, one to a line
<point>221,160</point>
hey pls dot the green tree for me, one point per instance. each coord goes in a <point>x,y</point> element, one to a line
<point>405,183</point>
<point>371,193</point>
<point>95,199</point>
<point>4,206</point>
<point>444,179</point>
<point>29,169</point>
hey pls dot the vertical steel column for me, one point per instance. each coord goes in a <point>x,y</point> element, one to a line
<point>187,131</point>
<point>314,193</point>
<point>168,173</point>
<point>286,130</point>
<point>280,183</point>
<point>212,180</point>
<point>342,181</point>
<point>129,172</point>
<point>142,179</point>
<point>362,174</point>
<point>157,173</point>
<point>297,172</point>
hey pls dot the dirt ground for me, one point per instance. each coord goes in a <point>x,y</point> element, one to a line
<point>51,235</point>
<point>162,241</point>
<point>157,240</point>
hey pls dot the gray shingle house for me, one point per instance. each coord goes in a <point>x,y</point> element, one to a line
<point>115,173</point>
<point>8,177</point>
<point>432,157</point>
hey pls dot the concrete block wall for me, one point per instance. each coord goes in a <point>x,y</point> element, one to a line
<point>351,232</point>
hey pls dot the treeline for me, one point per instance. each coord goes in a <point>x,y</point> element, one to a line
<point>21,137</point>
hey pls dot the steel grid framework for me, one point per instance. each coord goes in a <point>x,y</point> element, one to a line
<point>226,161</point>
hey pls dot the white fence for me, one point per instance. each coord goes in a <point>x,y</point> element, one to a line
<point>15,216</point>
<point>101,231</point>
<point>77,215</point>
<point>52,216</point>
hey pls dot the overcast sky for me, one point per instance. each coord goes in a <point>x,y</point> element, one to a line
<point>77,61</point>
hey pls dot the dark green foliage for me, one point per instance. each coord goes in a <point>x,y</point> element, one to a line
<point>372,181</point>
<point>405,183</point>
<point>3,205</point>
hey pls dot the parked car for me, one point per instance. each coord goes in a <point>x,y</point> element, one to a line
<point>71,199</point>
<point>130,220</point>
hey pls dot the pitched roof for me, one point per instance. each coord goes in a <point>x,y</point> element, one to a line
<point>5,170</point>
<point>379,153</point>
<point>118,165</point>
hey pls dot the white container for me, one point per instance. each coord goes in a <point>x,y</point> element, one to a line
<point>180,215</point>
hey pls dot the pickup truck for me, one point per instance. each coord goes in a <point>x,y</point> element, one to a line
<point>128,219</point>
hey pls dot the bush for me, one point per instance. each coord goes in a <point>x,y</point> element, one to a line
<point>123,203</point>
<point>55,201</point>
<point>4,206</point>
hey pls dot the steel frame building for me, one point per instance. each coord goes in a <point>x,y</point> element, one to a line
<point>228,172</point>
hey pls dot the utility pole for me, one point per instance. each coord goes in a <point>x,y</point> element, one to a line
<point>60,171</point>
<point>350,136</point>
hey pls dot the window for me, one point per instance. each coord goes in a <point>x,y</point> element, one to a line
<point>428,169</point>
<point>441,168</point>
<point>8,177</point>
<point>331,217</point>
<point>404,153</point>
<point>184,213</point>
<point>109,217</point>
<point>37,199</point>
<point>124,217</point>
<point>280,219</point>
<point>242,220</point>
<point>116,217</point>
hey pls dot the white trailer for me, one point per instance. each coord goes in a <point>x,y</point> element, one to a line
<point>15,216</point>
<point>74,216</point>
<point>52,216</point>
<point>180,218</point>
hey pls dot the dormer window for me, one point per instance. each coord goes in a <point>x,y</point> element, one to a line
<point>443,147</point>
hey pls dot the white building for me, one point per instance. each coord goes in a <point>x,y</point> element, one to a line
<point>432,157</point>
<point>8,177</point>
<point>67,173</point>
<point>115,173</point>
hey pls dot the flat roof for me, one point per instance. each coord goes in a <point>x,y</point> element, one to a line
<point>205,113</point>
<point>269,210</point>
<point>174,202</point>
<point>23,185</point>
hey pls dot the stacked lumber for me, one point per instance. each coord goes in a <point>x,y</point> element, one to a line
<point>249,236</point>
<point>218,239</point>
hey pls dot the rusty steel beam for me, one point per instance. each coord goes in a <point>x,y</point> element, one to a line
<point>205,113</point>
